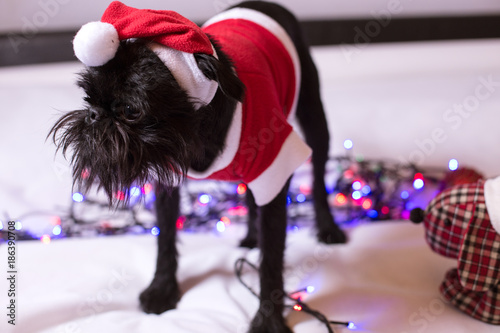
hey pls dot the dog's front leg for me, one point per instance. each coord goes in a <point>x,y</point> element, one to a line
<point>269,318</point>
<point>163,292</point>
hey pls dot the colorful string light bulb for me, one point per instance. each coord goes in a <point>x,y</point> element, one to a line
<point>180,222</point>
<point>155,231</point>
<point>453,164</point>
<point>418,184</point>
<point>367,203</point>
<point>356,185</point>
<point>147,188</point>
<point>56,231</point>
<point>340,199</point>
<point>204,199</point>
<point>78,197</point>
<point>349,324</point>
<point>45,239</point>
<point>225,220</point>
<point>241,189</point>
<point>221,226</point>
<point>356,195</point>
<point>120,195</point>
<point>135,191</point>
<point>348,144</point>
<point>366,190</point>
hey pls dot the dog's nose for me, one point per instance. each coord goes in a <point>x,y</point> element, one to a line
<point>93,116</point>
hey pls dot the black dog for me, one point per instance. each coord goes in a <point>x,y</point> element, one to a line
<point>139,124</point>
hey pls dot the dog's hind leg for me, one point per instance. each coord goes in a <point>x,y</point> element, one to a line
<point>311,117</point>
<point>313,122</point>
<point>269,318</point>
<point>250,240</point>
<point>163,292</point>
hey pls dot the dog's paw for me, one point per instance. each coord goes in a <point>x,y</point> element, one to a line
<point>248,242</point>
<point>159,297</point>
<point>333,235</point>
<point>274,326</point>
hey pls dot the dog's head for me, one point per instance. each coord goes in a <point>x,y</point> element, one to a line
<point>137,124</point>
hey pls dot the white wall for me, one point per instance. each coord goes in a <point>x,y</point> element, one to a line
<point>49,15</point>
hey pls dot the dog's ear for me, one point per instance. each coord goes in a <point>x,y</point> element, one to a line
<point>215,70</point>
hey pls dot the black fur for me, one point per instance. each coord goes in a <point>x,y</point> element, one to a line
<point>138,125</point>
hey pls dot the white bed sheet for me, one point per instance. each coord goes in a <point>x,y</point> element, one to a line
<point>385,280</point>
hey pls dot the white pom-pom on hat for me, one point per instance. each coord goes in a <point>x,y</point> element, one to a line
<point>96,43</point>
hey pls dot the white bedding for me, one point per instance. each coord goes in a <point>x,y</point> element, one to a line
<point>385,280</point>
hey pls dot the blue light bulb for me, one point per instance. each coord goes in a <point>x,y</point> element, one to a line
<point>453,164</point>
<point>78,197</point>
<point>356,195</point>
<point>356,185</point>
<point>135,191</point>
<point>204,199</point>
<point>366,189</point>
<point>372,214</point>
<point>418,184</point>
<point>221,226</point>
<point>300,197</point>
<point>155,231</point>
<point>56,231</point>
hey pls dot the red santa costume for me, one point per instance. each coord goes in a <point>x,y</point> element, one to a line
<point>261,147</point>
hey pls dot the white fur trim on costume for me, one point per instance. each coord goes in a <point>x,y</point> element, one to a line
<point>492,198</point>
<point>269,183</point>
<point>187,73</point>
<point>96,43</point>
<point>276,29</point>
<point>231,146</point>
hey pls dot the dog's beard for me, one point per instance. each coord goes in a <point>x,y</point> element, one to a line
<point>114,157</point>
<point>139,126</point>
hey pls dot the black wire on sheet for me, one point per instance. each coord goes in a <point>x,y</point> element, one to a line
<point>298,304</point>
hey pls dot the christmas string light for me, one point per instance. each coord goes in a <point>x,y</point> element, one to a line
<point>348,144</point>
<point>360,189</point>
<point>298,304</point>
<point>453,164</point>
<point>78,197</point>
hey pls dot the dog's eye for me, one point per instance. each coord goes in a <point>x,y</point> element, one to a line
<point>130,113</point>
<point>127,111</point>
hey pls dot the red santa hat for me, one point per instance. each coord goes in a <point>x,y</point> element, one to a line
<point>173,38</point>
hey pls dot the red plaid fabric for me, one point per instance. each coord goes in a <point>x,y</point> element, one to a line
<point>447,217</point>
<point>484,306</point>
<point>458,226</point>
